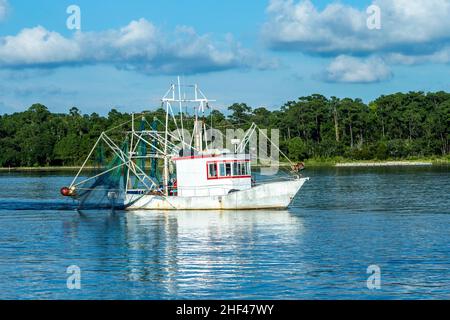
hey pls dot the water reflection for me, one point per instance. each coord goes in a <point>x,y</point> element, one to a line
<point>186,251</point>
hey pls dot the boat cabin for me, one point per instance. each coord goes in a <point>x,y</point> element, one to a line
<point>212,174</point>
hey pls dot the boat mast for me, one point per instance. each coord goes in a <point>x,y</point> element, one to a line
<point>196,140</point>
<point>181,109</point>
<point>166,156</point>
<point>130,154</point>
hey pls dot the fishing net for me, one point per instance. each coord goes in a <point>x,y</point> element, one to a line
<point>106,188</point>
<point>104,183</point>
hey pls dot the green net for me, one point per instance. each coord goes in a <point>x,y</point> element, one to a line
<point>112,171</point>
<point>106,190</point>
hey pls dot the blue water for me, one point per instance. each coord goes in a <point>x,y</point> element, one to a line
<point>342,221</point>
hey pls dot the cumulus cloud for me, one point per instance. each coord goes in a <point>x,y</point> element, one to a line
<point>42,91</point>
<point>3,9</point>
<point>409,27</point>
<point>348,69</point>
<point>37,46</point>
<point>412,32</point>
<point>139,46</point>
<point>439,56</point>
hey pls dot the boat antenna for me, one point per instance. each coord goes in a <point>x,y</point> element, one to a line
<point>181,109</point>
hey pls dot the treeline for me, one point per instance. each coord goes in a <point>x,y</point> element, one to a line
<point>394,126</point>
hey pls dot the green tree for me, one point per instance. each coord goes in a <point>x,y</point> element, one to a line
<point>240,114</point>
<point>298,149</point>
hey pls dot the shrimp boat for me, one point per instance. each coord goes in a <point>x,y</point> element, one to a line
<point>172,169</point>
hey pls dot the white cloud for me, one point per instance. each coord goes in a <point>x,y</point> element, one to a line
<point>41,91</point>
<point>356,70</point>
<point>439,56</point>
<point>139,46</point>
<point>4,7</point>
<point>412,32</point>
<point>409,27</point>
<point>36,46</point>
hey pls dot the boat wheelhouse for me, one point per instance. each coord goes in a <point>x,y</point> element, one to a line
<point>212,174</point>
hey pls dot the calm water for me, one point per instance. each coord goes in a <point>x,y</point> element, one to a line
<point>342,221</point>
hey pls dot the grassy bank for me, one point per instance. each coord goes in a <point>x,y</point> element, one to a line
<point>325,162</point>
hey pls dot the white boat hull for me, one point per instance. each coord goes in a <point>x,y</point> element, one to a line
<point>276,195</point>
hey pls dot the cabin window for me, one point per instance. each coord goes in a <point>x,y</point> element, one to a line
<point>236,168</point>
<point>212,170</point>
<point>243,167</point>
<point>222,169</point>
<point>228,169</point>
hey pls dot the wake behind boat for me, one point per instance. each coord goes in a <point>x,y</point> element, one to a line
<point>174,170</point>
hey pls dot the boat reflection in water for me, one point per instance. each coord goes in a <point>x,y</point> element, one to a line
<point>188,254</point>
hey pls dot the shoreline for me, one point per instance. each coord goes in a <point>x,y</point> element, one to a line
<point>308,163</point>
<point>345,163</point>
<point>384,164</point>
<point>42,169</point>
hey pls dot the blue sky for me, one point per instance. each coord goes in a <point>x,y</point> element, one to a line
<point>260,52</point>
